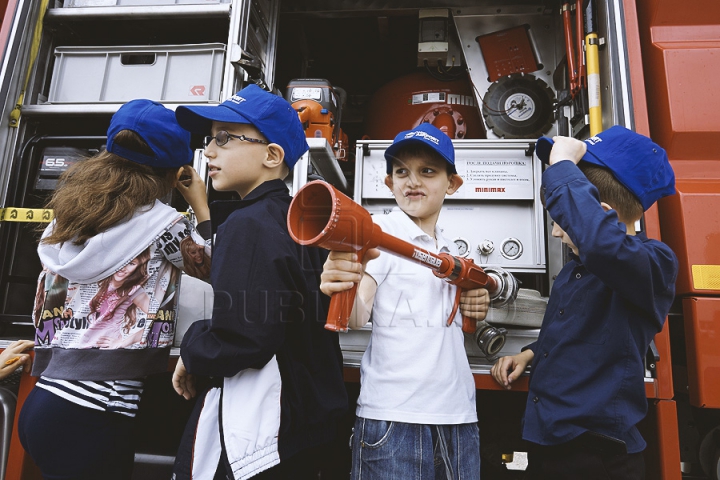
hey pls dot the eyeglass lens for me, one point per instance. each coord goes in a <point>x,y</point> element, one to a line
<point>221,138</point>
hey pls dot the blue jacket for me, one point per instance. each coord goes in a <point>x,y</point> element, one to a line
<point>281,368</point>
<point>604,310</point>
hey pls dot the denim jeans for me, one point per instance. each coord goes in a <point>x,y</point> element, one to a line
<point>405,451</point>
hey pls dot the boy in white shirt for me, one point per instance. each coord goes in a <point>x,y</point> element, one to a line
<point>416,416</point>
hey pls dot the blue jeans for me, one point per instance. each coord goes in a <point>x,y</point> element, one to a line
<point>405,451</point>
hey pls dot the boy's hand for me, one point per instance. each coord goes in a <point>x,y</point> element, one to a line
<point>12,357</point>
<point>342,270</point>
<point>183,382</point>
<point>475,303</point>
<point>507,369</point>
<point>567,148</point>
<point>193,190</point>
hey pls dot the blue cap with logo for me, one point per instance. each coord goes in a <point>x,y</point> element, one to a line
<point>157,126</point>
<point>636,161</point>
<point>272,115</point>
<point>423,134</point>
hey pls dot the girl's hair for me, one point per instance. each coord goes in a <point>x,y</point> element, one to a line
<point>99,192</point>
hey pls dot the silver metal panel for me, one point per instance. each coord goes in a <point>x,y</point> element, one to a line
<point>322,159</point>
<point>354,342</point>
<point>253,24</point>
<point>545,33</point>
<point>12,74</point>
<point>614,56</point>
<point>473,214</point>
<point>8,402</point>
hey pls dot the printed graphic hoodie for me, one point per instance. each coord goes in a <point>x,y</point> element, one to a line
<point>105,310</point>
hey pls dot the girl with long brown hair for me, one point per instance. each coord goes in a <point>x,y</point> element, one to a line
<point>117,245</point>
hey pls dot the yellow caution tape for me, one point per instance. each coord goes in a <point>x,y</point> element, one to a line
<point>35,215</point>
<point>706,277</point>
<point>32,215</point>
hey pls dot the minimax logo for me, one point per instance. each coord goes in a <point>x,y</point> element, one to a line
<point>237,99</point>
<point>424,135</point>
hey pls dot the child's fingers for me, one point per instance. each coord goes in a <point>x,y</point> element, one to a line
<point>347,256</point>
<point>515,374</point>
<point>20,346</point>
<point>178,384</point>
<point>330,288</point>
<point>371,254</point>
<point>189,387</point>
<point>11,361</point>
<point>499,372</point>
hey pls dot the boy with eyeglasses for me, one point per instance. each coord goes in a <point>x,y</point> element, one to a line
<point>276,374</point>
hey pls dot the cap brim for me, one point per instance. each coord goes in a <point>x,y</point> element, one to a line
<point>391,151</point>
<point>198,119</point>
<point>544,145</point>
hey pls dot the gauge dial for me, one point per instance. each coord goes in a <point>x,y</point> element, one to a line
<point>511,248</point>
<point>463,247</point>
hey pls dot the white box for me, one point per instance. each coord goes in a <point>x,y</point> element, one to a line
<point>165,73</point>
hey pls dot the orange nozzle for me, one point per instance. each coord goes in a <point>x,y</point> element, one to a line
<point>322,216</point>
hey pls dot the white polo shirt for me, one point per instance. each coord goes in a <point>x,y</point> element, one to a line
<point>415,369</point>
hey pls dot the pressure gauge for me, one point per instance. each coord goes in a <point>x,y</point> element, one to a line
<point>511,248</point>
<point>463,247</point>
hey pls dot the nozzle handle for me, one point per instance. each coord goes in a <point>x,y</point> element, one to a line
<point>469,324</point>
<point>341,305</point>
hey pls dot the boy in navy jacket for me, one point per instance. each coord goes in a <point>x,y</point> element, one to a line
<point>586,392</point>
<point>278,385</point>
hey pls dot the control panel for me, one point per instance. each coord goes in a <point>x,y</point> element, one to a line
<point>494,218</point>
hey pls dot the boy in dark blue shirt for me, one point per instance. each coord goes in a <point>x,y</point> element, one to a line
<point>586,392</point>
<point>277,373</point>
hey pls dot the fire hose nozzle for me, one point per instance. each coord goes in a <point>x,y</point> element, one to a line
<point>489,339</point>
<point>506,286</point>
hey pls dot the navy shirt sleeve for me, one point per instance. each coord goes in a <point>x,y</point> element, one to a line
<point>635,268</point>
<point>255,296</point>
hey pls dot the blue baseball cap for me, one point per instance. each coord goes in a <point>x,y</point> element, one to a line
<point>157,126</point>
<point>423,134</point>
<point>272,115</point>
<point>636,161</point>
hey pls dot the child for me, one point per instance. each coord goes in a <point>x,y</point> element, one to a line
<point>14,356</point>
<point>103,316</point>
<point>278,384</point>
<point>416,414</point>
<point>586,391</point>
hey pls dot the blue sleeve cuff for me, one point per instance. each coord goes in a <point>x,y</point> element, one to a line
<point>559,174</point>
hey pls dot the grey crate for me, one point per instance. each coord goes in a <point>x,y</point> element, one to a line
<point>137,3</point>
<point>166,73</point>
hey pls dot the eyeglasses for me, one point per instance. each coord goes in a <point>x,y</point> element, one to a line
<point>222,137</point>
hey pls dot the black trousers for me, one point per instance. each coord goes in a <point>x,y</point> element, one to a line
<point>588,457</point>
<point>70,442</point>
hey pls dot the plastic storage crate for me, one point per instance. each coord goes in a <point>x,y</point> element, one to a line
<point>143,3</point>
<point>165,73</point>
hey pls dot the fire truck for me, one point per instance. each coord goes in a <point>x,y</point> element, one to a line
<point>494,75</point>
